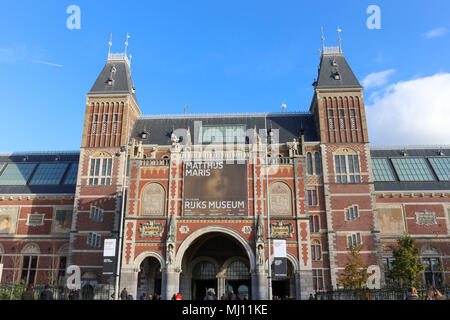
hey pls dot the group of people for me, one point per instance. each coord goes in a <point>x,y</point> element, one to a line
<point>154,296</point>
<point>46,294</point>
<point>432,294</point>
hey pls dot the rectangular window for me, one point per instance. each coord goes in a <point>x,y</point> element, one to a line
<point>100,171</point>
<point>354,240</point>
<point>35,219</point>
<point>94,124</point>
<point>433,272</point>
<point>29,269</point>
<point>94,240</point>
<point>314,225</point>
<point>105,123</point>
<point>331,119</point>
<point>352,119</point>
<point>71,176</point>
<point>347,169</point>
<point>96,214</point>
<point>62,269</point>
<point>412,169</point>
<point>351,213</point>
<point>312,197</point>
<point>317,279</point>
<point>341,119</point>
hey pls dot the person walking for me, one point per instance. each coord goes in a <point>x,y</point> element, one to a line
<point>124,294</point>
<point>74,295</point>
<point>178,296</point>
<point>46,294</point>
<point>28,294</point>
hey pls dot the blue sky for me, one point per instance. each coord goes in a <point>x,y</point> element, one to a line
<point>217,56</point>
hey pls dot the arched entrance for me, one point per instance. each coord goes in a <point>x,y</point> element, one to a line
<point>217,261</point>
<point>149,278</point>
<point>285,287</point>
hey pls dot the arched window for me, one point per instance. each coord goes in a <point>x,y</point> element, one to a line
<point>100,169</point>
<point>238,271</point>
<point>152,200</point>
<point>280,199</point>
<point>310,163</point>
<point>204,271</point>
<point>316,250</point>
<point>317,163</point>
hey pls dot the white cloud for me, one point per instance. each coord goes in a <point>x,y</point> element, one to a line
<point>438,32</point>
<point>412,112</point>
<point>377,79</point>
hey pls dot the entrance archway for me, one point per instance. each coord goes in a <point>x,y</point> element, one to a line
<point>285,287</point>
<point>214,260</point>
<point>149,277</point>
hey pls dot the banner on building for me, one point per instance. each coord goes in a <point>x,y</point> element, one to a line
<point>215,188</point>
<point>109,257</point>
<point>279,261</point>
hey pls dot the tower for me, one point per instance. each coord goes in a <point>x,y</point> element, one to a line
<point>338,107</point>
<point>111,110</point>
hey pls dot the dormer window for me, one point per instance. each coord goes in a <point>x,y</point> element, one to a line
<point>144,135</point>
<point>110,82</point>
<point>337,76</point>
<point>113,69</point>
<point>334,63</point>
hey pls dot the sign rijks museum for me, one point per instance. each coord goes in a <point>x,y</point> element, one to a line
<point>259,204</point>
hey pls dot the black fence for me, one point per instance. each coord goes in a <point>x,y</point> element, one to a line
<point>88,292</point>
<point>377,294</point>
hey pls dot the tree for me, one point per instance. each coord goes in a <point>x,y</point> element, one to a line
<point>355,273</point>
<point>406,267</point>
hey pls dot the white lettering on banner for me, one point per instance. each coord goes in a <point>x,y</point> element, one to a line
<point>74,277</point>
<point>214,204</point>
<point>374,280</point>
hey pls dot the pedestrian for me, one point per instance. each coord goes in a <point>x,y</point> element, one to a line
<point>124,294</point>
<point>224,296</point>
<point>233,296</point>
<point>311,297</point>
<point>178,296</point>
<point>28,294</point>
<point>156,297</point>
<point>74,294</point>
<point>150,297</point>
<point>210,295</point>
<point>46,294</point>
<point>412,294</point>
<point>174,297</point>
<point>129,297</point>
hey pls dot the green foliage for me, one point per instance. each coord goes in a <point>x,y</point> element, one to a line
<point>355,273</point>
<point>406,267</point>
<point>12,291</point>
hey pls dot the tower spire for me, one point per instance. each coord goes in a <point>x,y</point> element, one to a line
<point>126,44</point>
<point>339,30</point>
<point>109,45</point>
<point>323,40</point>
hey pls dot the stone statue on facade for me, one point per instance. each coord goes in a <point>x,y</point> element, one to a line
<point>260,255</point>
<point>260,229</point>
<point>170,254</point>
<point>171,230</point>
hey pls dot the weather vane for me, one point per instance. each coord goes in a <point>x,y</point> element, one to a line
<point>126,43</point>
<point>110,44</point>
<point>339,30</point>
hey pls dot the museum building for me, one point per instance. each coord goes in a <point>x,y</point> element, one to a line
<point>196,201</point>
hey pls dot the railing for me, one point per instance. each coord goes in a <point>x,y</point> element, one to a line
<point>377,294</point>
<point>155,162</point>
<point>331,50</point>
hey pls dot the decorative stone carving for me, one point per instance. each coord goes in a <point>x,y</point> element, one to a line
<point>260,255</point>
<point>170,254</point>
<point>246,229</point>
<point>426,218</point>
<point>172,229</point>
<point>184,229</point>
<point>260,229</point>
<point>151,229</point>
<point>153,198</point>
<point>281,230</point>
<point>280,199</point>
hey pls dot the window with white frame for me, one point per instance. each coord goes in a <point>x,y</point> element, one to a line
<point>29,269</point>
<point>314,223</point>
<point>100,170</point>
<point>96,214</point>
<point>351,213</point>
<point>347,167</point>
<point>94,240</point>
<point>433,271</point>
<point>35,219</point>
<point>354,240</point>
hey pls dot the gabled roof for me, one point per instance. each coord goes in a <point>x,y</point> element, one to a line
<point>117,69</point>
<point>288,124</point>
<point>330,64</point>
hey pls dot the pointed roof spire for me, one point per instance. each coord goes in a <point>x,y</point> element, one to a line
<point>109,45</point>
<point>339,30</point>
<point>323,39</point>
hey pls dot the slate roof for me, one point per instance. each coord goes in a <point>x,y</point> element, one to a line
<point>289,125</point>
<point>122,82</point>
<point>39,157</point>
<point>411,152</point>
<point>325,79</point>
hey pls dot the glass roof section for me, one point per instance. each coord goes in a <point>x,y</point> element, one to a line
<point>49,173</point>
<point>16,174</point>
<point>412,169</point>
<point>381,170</point>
